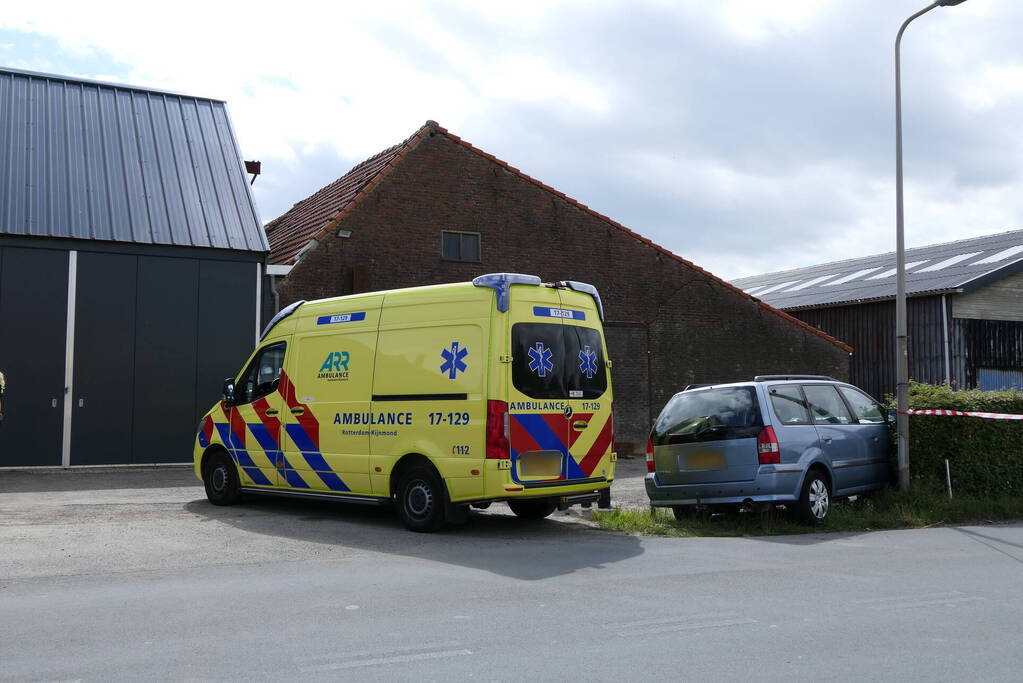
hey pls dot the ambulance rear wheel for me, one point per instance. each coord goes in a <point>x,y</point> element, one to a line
<point>420,501</point>
<point>532,509</point>
<point>220,477</point>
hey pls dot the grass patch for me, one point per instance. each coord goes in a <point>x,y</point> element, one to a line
<point>884,510</point>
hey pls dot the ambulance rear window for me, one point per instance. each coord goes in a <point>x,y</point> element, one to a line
<point>558,361</point>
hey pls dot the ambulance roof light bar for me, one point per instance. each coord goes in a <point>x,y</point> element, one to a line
<point>502,282</point>
<point>281,315</point>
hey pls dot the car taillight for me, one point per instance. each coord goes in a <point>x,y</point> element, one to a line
<point>768,450</point>
<point>497,430</point>
<point>650,467</point>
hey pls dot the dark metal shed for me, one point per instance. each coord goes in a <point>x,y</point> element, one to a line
<point>131,259</point>
<point>965,310</point>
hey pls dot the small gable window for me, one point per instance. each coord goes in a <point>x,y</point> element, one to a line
<point>460,246</point>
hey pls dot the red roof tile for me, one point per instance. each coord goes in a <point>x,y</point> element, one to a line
<point>315,216</point>
<point>312,217</point>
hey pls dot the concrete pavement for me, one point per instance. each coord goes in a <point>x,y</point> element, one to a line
<point>109,575</point>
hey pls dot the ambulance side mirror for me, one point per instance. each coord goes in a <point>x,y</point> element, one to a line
<point>229,391</point>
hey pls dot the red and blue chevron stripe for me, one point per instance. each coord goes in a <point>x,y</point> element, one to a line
<point>549,432</point>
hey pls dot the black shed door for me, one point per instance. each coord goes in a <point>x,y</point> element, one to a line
<point>33,323</point>
<point>102,406</point>
<point>164,424</point>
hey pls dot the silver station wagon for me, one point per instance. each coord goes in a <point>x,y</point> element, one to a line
<point>797,440</point>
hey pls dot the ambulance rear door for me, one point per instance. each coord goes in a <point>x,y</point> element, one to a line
<point>537,392</point>
<point>587,381</point>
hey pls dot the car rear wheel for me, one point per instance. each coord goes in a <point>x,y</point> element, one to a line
<point>815,499</point>
<point>220,477</point>
<point>682,512</point>
<point>532,509</point>
<point>420,501</point>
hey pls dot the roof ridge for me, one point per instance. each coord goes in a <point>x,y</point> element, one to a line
<point>409,144</point>
<point>82,80</point>
<point>779,273</point>
<point>645,240</point>
<point>432,126</point>
<point>354,169</point>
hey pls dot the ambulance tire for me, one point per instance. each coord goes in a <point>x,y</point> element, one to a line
<point>421,499</point>
<point>220,477</point>
<point>533,509</point>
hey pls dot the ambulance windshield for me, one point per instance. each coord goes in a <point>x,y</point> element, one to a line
<point>558,361</point>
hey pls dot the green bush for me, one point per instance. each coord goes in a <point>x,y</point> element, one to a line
<point>985,456</point>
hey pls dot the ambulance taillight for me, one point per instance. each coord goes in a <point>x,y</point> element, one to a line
<point>498,428</point>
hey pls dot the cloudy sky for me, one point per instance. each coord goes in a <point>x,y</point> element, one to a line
<point>745,135</point>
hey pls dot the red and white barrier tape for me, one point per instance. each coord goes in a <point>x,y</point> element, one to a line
<point>960,413</point>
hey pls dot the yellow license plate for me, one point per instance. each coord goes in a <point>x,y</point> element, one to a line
<point>707,460</point>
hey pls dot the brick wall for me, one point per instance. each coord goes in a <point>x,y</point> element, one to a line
<point>696,329</point>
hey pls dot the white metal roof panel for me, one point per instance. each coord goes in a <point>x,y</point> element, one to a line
<point>951,266</point>
<point>87,160</point>
<point>950,261</point>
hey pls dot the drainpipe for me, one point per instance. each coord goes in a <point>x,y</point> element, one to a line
<point>945,335</point>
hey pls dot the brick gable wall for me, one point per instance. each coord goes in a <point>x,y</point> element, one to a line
<point>668,324</point>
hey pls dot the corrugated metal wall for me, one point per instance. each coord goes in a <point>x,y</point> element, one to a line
<point>992,379</point>
<point>985,344</point>
<point>94,161</point>
<point>870,330</point>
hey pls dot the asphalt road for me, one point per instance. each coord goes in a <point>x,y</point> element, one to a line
<point>131,575</point>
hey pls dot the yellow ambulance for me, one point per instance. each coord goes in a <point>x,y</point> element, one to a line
<point>430,398</point>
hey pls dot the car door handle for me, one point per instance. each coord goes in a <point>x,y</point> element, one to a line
<point>297,411</point>
<point>271,411</point>
<point>827,439</point>
<point>579,426</point>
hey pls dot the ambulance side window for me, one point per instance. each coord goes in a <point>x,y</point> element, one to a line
<point>263,374</point>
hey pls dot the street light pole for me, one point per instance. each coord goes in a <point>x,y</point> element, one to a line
<point>901,333</point>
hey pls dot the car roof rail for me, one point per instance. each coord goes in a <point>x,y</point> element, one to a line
<point>769,378</point>
<point>696,386</point>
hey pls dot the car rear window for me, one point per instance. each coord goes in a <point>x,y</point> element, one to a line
<point>709,415</point>
<point>552,360</point>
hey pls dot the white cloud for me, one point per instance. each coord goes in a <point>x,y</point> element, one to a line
<point>746,135</point>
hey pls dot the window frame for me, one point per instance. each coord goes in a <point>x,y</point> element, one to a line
<point>565,373</point>
<point>841,399</point>
<point>808,422</point>
<point>461,234</point>
<point>849,405</point>
<point>253,363</point>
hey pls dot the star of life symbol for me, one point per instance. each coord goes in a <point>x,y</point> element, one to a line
<point>588,362</point>
<point>453,360</point>
<point>540,360</point>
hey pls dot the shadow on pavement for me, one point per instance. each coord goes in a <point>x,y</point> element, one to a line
<point>45,480</point>
<point>491,541</point>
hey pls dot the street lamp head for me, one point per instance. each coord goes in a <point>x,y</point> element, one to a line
<point>949,3</point>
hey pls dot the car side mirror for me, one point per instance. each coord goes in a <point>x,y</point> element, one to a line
<point>229,390</point>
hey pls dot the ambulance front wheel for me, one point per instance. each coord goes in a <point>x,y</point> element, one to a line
<point>220,477</point>
<point>420,500</point>
<point>533,509</point>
